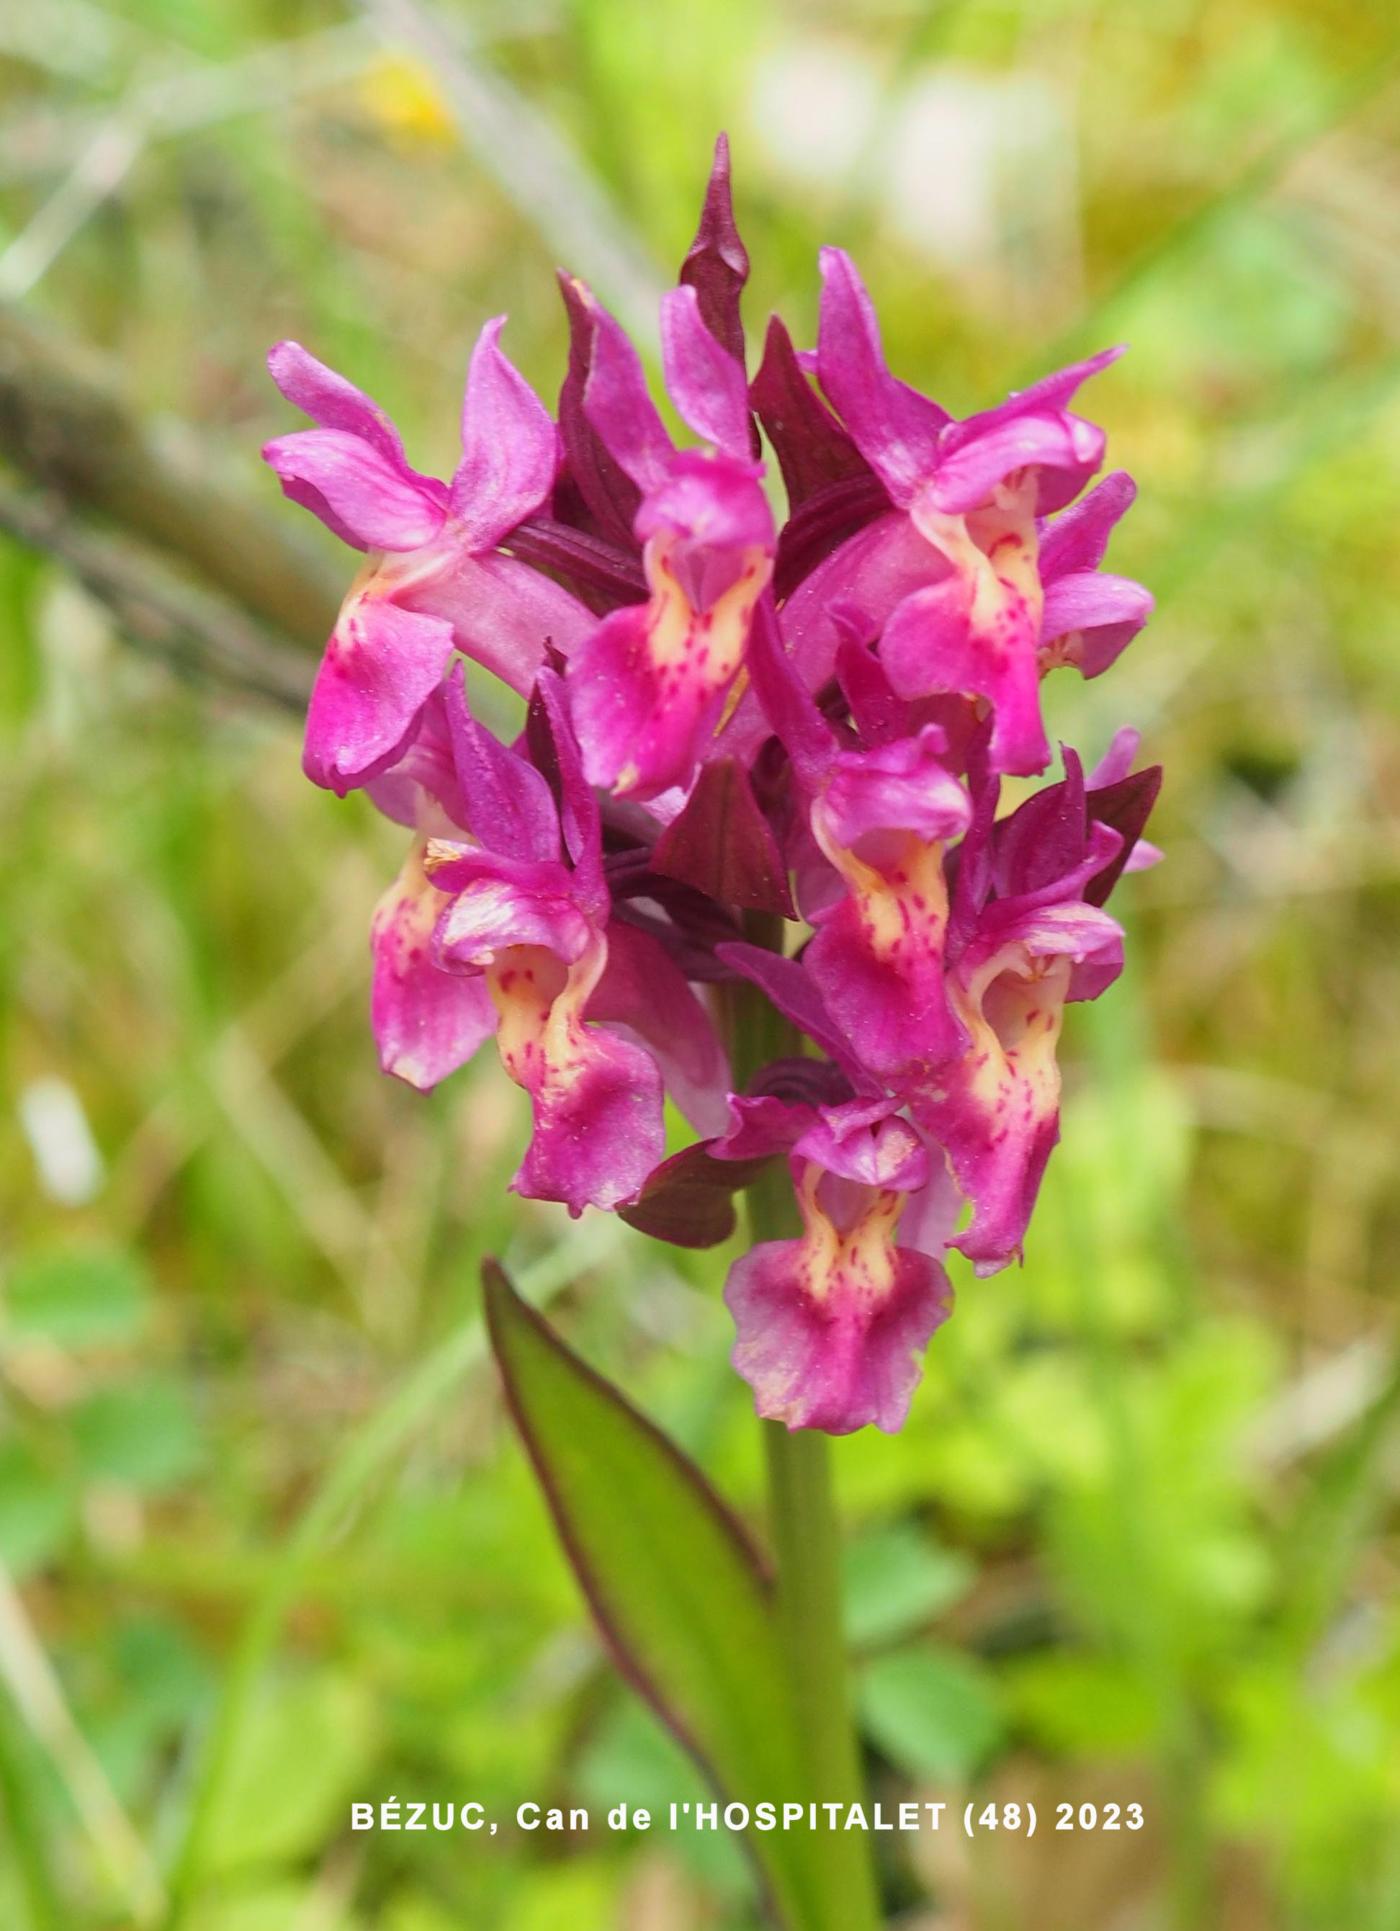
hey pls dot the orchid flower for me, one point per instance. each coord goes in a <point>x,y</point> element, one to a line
<point>434,580</point>
<point>950,578</point>
<point>649,685</point>
<point>831,1326</point>
<point>1027,936</point>
<point>882,816</point>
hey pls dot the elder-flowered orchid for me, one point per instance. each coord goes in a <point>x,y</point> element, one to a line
<point>759,773</point>
<point>434,580</point>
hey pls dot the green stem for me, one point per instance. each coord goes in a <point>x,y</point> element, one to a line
<point>806,1541</point>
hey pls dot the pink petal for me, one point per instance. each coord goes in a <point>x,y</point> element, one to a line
<point>510,807</point>
<point>427,1022</point>
<point>381,665</point>
<point>1078,537</point>
<point>705,382</point>
<point>1064,451</point>
<point>510,449</point>
<point>1051,392</point>
<point>931,645</point>
<point>498,903</point>
<point>865,580</point>
<point>894,427</point>
<point>1117,760</point>
<point>619,408</point>
<point>838,1361</point>
<point>647,687</point>
<point>364,497</point>
<point>333,402</point>
<point>902,786</point>
<point>597,1137</point>
<point>643,990</point>
<point>505,613</point>
<point>862,1141</point>
<point>422,777</point>
<point>1101,613</point>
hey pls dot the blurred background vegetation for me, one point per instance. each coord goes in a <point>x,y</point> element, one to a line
<point>267,1545</point>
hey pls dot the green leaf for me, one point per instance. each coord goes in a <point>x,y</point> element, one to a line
<point>304,1750</point>
<point>674,1585</point>
<point>1086,1706</point>
<point>37,1511</point>
<point>931,1711</point>
<point>77,1296</point>
<point>894,1580</point>
<point>140,1432</point>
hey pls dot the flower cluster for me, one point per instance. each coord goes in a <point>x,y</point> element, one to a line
<point>733,732</point>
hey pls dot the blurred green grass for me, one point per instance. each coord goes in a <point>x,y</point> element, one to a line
<point>1140,1538</point>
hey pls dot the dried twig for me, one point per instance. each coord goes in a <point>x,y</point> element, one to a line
<point>64,428</point>
<point>196,633</point>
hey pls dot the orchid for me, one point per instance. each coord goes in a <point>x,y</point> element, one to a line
<point>707,808</point>
<point>759,770</point>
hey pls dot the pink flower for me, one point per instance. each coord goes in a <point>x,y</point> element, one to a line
<point>831,1327</point>
<point>1027,937</point>
<point>648,687</point>
<point>434,581</point>
<point>951,580</point>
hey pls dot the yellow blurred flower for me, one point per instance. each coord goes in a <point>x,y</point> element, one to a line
<point>401,95</point>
